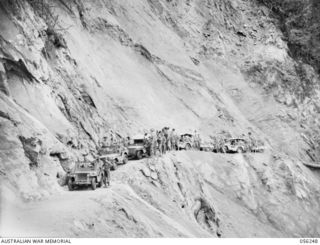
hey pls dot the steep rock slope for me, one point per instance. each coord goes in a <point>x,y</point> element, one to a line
<point>73,70</point>
<point>300,23</point>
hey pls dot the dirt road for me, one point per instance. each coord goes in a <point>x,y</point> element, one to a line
<point>105,212</point>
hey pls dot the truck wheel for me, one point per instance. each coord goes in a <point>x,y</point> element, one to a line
<point>93,184</point>
<point>139,155</point>
<point>70,184</point>
<point>100,184</point>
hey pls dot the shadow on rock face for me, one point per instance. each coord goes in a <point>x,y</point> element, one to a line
<point>206,216</point>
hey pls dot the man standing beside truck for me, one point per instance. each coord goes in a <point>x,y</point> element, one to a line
<point>106,166</point>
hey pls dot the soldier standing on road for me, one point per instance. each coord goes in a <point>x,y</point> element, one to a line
<point>215,144</point>
<point>111,138</point>
<point>251,141</point>
<point>153,141</point>
<point>178,137</point>
<point>159,142</point>
<point>220,143</point>
<point>172,139</point>
<point>199,141</point>
<point>147,143</point>
<point>121,146</point>
<point>150,143</point>
<point>164,141</point>
<point>196,138</point>
<point>192,140</point>
<point>176,140</point>
<point>169,146</point>
<point>166,136</point>
<point>106,171</point>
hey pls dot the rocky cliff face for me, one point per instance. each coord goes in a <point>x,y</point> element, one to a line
<point>300,24</point>
<point>299,21</point>
<point>70,71</point>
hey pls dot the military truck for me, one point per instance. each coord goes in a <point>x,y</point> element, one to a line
<point>86,174</point>
<point>115,154</point>
<point>238,145</point>
<point>185,142</point>
<point>137,149</point>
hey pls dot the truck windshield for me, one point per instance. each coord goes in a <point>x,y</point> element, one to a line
<point>109,150</point>
<point>85,165</point>
<point>138,141</point>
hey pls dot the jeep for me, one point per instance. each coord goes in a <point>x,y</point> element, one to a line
<point>236,145</point>
<point>115,155</point>
<point>257,146</point>
<point>86,173</point>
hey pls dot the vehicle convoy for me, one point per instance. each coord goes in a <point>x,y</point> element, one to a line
<point>137,149</point>
<point>185,142</point>
<point>236,145</point>
<point>86,174</point>
<point>115,154</point>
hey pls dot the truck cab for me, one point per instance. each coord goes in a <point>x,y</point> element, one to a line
<point>137,148</point>
<point>185,142</point>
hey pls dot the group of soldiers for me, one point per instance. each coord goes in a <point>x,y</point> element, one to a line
<point>166,139</point>
<point>161,141</point>
<point>155,141</point>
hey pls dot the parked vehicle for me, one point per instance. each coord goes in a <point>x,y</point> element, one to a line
<point>218,142</point>
<point>185,142</point>
<point>206,146</point>
<point>115,154</point>
<point>258,146</point>
<point>137,149</point>
<point>236,145</point>
<point>86,173</point>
